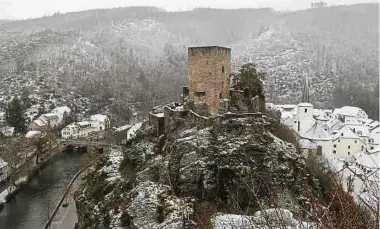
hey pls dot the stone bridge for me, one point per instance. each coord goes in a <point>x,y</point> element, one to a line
<point>64,143</point>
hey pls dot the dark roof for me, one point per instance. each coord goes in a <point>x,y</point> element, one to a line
<point>208,48</point>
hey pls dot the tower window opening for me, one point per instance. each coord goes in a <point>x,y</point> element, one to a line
<point>222,69</point>
<point>305,110</point>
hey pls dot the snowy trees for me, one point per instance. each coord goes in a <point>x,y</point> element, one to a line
<point>14,116</point>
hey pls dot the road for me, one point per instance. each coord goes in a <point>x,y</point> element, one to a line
<point>66,217</point>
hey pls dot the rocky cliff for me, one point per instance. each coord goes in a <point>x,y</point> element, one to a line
<point>200,177</point>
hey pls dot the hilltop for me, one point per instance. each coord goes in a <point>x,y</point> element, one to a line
<point>138,54</point>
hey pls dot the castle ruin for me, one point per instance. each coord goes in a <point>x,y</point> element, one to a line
<point>208,98</point>
<point>208,77</point>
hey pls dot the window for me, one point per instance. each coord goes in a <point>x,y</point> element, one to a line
<point>341,134</point>
<point>334,151</point>
<point>200,93</point>
<point>356,141</point>
<point>222,69</point>
<point>319,150</point>
<point>348,153</point>
<point>349,147</point>
<point>334,146</point>
<point>362,148</point>
<point>338,140</point>
<point>305,110</point>
<point>220,95</point>
<point>299,126</point>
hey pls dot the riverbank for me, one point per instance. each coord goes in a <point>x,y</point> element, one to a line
<point>11,190</point>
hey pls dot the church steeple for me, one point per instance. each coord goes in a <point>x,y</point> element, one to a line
<point>305,91</point>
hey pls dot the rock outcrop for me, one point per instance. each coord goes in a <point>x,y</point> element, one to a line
<point>235,167</point>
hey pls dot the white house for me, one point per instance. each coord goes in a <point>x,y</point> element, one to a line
<point>77,130</point>
<point>62,113</point>
<point>102,122</point>
<point>358,128</point>
<point>4,169</point>
<point>84,128</point>
<point>346,143</point>
<point>374,137</point>
<point>70,131</point>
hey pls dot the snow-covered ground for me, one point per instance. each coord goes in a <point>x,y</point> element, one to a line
<point>112,168</point>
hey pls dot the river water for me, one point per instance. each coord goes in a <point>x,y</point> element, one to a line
<point>31,206</point>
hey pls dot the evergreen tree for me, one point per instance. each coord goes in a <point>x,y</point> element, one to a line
<point>14,116</point>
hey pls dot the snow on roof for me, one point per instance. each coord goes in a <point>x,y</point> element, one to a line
<point>305,105</point>
<point>39,122</point>
<point>83,123</point>
<point>307,144</point>
<point>132,131</point>
<point>60,111</point>
<point>32,134</point>
<point>98,117</point>
<point>350,111</point>
<point>50,116</point>
<point>122,128</point>
<point>368,160</point>
<point>345,132</point>
<point>317,132</point>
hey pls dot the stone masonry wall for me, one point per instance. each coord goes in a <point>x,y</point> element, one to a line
<point>208,74</point>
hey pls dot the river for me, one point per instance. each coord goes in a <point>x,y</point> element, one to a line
<point>31,206</point>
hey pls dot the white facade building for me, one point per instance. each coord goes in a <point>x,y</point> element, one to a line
<point>100,121</point>
<point>346,143</point>
<point>78,130</point>
<point>62,113</point>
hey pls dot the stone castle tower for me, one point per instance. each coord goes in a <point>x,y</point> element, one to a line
<point>209,78</point>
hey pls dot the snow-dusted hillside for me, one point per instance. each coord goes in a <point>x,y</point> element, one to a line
<point>139,54</point>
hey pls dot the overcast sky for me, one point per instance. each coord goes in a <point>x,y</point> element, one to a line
<point>22,9</point>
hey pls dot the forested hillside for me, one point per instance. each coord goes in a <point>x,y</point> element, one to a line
<point>139,54</point>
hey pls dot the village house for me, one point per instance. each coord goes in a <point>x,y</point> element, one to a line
<point>96,124</point>
<point>70,131</point>
<point>346,143</point>
<point>2,118</point>
<point>4,169</point>
<point>100,122</point>
<point>62,113</point>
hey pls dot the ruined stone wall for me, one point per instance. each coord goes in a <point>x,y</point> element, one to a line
<point>208,75</point>
<point>158,123</point>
